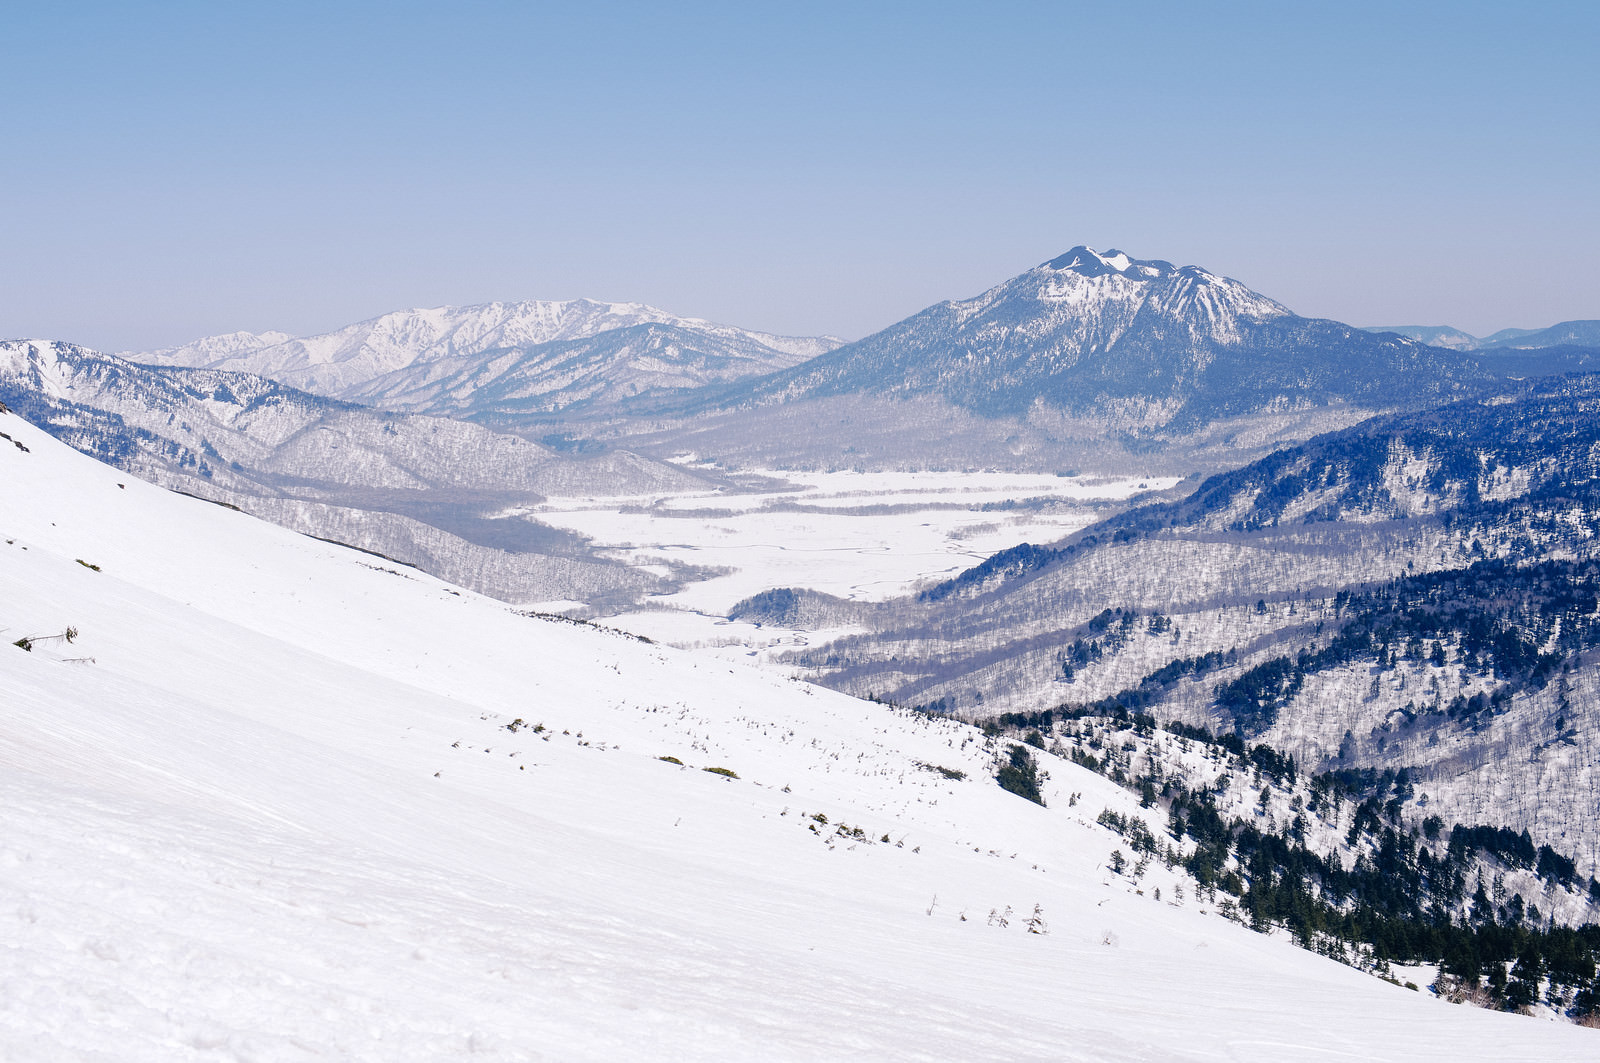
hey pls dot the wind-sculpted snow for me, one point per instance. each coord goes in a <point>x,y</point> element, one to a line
<point>266,797</point>
<point>1280,569</point>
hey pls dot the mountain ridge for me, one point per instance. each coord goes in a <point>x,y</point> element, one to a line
<point>344,363</point>
<point>1087,345</point>
<point>428,491</point>
<point>1416,591</point>
<point>1148,348</point>
<point>1576,333</point>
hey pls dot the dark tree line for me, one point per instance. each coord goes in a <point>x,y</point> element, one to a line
<point>1494,615</point>
<point>1410,896</point>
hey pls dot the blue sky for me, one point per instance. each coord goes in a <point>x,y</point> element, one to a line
<point>179,169</point>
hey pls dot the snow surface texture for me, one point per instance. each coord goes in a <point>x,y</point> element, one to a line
<point>273,802</point>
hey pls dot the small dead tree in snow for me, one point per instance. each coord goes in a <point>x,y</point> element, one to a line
<point>27,642</point>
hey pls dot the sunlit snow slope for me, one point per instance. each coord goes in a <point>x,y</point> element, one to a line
<point>266,805</point>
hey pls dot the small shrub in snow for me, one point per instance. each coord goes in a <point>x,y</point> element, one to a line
<point>729,772</point>
<point>1019,774</point>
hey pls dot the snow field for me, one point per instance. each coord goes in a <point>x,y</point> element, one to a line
<point>861,536</point>
<point>278,814</point>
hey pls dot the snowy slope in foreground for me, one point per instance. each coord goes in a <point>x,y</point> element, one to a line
<point>265,806</point>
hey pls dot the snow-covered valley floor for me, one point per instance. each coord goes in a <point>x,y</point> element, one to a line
<point>279,800</point>
<point>860,536</point>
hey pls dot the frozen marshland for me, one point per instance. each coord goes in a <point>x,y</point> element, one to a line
<point>280,800</point>
<point>857,536</point>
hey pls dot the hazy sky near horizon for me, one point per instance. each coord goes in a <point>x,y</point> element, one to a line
<point>179,169</point>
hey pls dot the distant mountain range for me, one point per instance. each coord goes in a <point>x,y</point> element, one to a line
<point>1585,333</point>
<point>427,491</point>
<point>1469,465</point>
<point>1308,665</point>
<point>1087,346</point>
<point>1090,358</point>
<point>1141,345</point>
<point>537,355</point>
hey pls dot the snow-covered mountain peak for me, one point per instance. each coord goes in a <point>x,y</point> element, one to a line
<point>405,349</point>
<point>1084,261</point>
<point>1137,344</point>
<point>1088,262</point>
<point>37,361</point>
<point>1086,285</point>
<point>24,348</point>
<point>1112,288</point>
<point>212,349</point>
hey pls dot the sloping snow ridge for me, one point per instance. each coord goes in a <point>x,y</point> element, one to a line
<point>279,800</point>
<point>412,488</point>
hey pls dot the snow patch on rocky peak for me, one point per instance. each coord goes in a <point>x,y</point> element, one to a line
<point>1107,290</point>
<point>1086,260</point>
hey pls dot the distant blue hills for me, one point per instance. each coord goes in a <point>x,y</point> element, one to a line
<point>1581,333</point>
